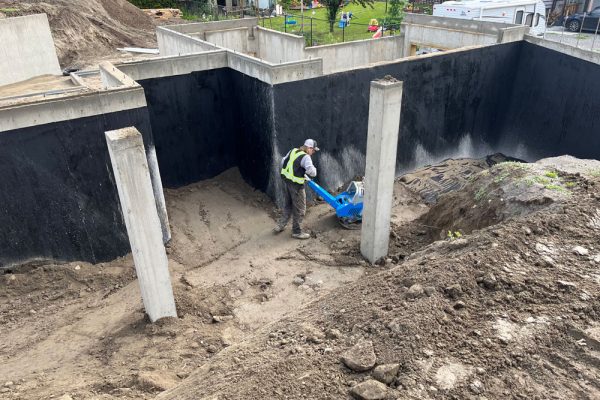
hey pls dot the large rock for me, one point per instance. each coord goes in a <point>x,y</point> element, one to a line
<point>415,291</point>
<point>370,390</point>
<point>361,357</point>
<point>386,373</point>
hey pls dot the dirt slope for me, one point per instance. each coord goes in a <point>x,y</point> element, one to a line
<point>265,316</point>
<point>79,330</point>
<point>511,311</point>
<point>86,31</point>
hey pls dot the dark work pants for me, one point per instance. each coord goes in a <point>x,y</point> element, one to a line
<point>294,205</point>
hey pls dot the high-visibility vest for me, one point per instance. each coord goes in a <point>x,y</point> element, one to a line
<point>288,169</point>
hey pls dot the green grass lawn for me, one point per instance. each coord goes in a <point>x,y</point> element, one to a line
<point>357,30</point>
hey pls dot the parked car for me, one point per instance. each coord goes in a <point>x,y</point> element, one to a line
<point>590,23</point>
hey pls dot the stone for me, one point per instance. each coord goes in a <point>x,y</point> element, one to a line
<point>582,251</point>
<point>65,397</point>
<point>370,390</point>
<point>548,261</point>
<point>415,291</point>
<point>542,248</point>
<point>9,384</point>
<point>459,305</point>
<point>454,291</point>
<point>527,231</point>
<point>77,267</point>
<point>449,375</point>
<point>222,318</point>
<point>489,281</point>
<point>476,386</point>
<point>4,390</point>
<point>298,281</point>
<point>361,357</point>
<point>429,290</point>
<point>386,373</point>
<point>566,286</point>
<point>333,334</point>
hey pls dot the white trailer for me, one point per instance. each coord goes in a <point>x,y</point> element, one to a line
<point>530,13</point>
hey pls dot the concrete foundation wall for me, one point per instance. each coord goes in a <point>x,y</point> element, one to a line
<point>59,196</point>
<point>231,39</point>
<point>194,124</point>
<point>452,33</point>
<point>27,49</point>
<point>71,107</point>
<point>572,51</point>
<point>172,43</point>
<point>278,47</point>
<point>453,103</point>
<point>57,191</point>
<point>201,27</point>
<point>349,55</point>
<point>271,73</point>
<point>554,106</point>
<point>174,65</point>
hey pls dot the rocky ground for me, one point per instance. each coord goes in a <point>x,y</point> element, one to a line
<point>490,292</point>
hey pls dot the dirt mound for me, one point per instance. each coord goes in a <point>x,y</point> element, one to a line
<point>507,190</point>
<point>511,311</point>
<point>450,175</point>
<point>86,31</point>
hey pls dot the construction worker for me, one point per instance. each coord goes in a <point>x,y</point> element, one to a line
<point>294,166</point>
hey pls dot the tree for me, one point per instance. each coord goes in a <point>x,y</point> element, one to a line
<point>333,6</point>
<point>395,13</point>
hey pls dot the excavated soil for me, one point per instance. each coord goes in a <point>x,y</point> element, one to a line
<point>506,311</point>
<point>88,31</point>
<point>510,311</point>
<point>79,330</point>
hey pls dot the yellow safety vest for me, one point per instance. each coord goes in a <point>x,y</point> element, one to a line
<point>288,169</point>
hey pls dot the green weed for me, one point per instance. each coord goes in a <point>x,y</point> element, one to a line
<point>557,188</point>
<point>480,194</point>
<point>541,180</point>
<point>551,174</point>
<point>453,235</point>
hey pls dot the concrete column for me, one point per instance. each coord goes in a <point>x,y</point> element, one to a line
<point>382,142</point>
<point>130,168</point>
<point>159,195</point>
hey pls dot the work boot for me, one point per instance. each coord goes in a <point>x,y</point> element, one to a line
<point>278,229</point>
<point>301,235</point>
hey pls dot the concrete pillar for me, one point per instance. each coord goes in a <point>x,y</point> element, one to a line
<point>159,194</point>
<point>382,142</point>
<point>130,168</point>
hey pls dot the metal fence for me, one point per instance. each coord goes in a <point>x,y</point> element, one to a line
<point>318,31</point>
<point>582,34</point>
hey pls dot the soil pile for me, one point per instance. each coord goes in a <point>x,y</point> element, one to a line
<point>510,311</point>
<point>87,31</point>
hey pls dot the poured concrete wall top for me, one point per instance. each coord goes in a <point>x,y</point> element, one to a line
<point>349,55</point>
<point>233,39</point>
<point>453,33</point>
<point>27,49</point>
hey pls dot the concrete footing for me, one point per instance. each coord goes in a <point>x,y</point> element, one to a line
<point>130,168</point>
<point>382,142</point>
